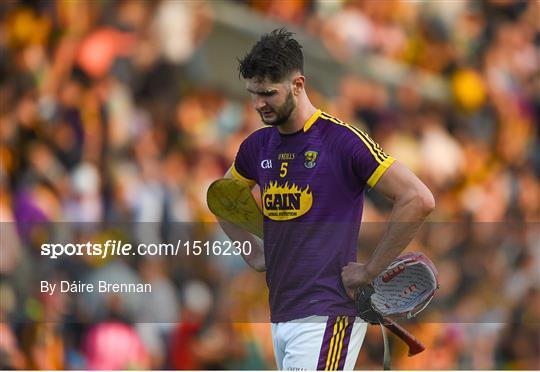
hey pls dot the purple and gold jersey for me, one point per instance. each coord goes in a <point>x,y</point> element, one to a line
<point>312,184</point>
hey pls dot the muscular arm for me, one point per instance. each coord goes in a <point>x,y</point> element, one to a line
<point>256,258</point>
<point>412,203</point>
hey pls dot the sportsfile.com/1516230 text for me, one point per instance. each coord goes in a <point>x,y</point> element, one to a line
<point>120,248</point>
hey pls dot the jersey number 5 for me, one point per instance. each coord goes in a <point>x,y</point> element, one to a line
<point>283,169</point>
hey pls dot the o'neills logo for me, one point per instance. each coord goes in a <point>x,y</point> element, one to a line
<point>285,202</point>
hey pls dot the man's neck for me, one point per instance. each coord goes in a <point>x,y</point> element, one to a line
<point>298,118</point>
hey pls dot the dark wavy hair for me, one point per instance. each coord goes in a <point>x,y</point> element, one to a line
<point>275,56</point>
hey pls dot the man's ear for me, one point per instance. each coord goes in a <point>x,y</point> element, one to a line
<point>298,84</point>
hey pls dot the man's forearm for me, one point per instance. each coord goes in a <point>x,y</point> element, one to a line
<point>256,258</point>
<point>412,203</point>
<point>407,217</point>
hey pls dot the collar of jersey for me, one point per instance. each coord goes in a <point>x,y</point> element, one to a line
<point>309,123</point>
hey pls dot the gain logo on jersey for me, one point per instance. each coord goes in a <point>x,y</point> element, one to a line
<point>310,157</point>
<point>286,202</point>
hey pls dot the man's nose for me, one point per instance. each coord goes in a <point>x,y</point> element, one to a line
<point>260,102</point>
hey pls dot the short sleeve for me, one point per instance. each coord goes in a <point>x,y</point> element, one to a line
<point>244,166</point>
<point>369,161</point>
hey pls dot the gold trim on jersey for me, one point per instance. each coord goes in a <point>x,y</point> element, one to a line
<point>378,154</point>
<point>372,181</point>
<point>238,176</point>
<point>372,146</point>
<point>309,123</point>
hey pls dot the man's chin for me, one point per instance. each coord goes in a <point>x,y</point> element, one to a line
<point>270,122</point>
<point>273,121</point>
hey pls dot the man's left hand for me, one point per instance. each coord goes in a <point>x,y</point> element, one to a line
<point>355,275</point>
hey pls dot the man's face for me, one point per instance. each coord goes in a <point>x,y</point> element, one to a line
<point>273,101</point>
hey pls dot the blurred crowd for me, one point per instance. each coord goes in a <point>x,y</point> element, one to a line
<point>105,132</point>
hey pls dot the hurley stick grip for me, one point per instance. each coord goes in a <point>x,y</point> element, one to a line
<point>415,346</point>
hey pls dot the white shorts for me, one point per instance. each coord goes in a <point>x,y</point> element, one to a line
<point>318,343</point>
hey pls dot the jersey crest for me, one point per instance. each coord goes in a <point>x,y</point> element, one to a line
<point>310,159</point>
